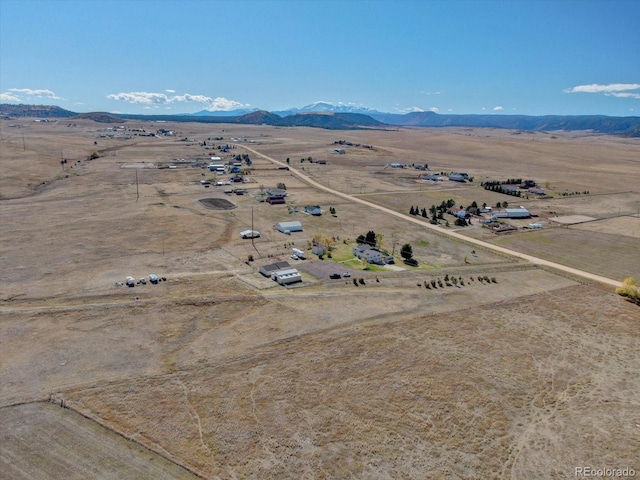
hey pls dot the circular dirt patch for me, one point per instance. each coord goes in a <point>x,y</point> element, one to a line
<point>217,203</point>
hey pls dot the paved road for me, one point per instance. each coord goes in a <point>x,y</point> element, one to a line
<point>535,260</point>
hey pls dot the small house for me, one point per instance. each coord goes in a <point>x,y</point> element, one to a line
<point>275,200</point>
<point>370,254</point>
<point>276,192</point>
<point>458,177</point>
<point>267,270</point>
<point>313,210</point>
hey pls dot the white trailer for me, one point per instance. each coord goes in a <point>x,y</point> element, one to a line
<point>301,254</point>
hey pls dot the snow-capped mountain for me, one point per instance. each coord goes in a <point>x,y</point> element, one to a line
<point>225,113</point>
<point>326,107</point>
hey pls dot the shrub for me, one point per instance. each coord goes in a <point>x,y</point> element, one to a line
<point>629,289</point>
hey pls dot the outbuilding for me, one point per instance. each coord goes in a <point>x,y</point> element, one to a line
<point>512,213</point>
<point>286,277</point>
<point>289,227</point>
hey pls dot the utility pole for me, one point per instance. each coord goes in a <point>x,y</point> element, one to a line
<point>137,189</point>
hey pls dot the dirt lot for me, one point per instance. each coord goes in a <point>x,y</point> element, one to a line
<point>220,369</point>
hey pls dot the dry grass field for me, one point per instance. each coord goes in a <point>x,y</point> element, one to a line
<point>229,375</point>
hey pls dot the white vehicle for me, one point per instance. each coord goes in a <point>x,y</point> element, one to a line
<point>294,256</point>
<point>346,274</point>
<point>131,282</point>
<point>299,254</point>
<point>153,278</point>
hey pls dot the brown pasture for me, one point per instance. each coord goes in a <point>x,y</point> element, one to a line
<point>222,371</point>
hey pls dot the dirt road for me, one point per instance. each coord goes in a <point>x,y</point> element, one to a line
<point>535,260</point>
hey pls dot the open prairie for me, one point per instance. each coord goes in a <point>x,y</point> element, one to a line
<point>512,371</point>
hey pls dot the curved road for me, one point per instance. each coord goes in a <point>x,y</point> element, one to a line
<point>535,260</point>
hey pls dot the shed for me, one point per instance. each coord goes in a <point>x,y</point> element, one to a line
<point>288,227</point>
<point>275,200</point>
<point>286,277</point>
<point>457,177</point>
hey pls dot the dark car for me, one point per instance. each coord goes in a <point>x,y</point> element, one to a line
<point>335,276</point>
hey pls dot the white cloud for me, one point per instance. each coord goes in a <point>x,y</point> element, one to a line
<point>499,108</point>
<point>191,98</point>
<point>168,90</point>
<point>434,109</point>
<point>24,94</point>
<point>621,90</point>
<point>8,97</point>
<point>410,110</point>
<point>221,103</point>
<point>149,99</point>
<point>140,98</point>
<point>624,95</point>
<point>30,92</point>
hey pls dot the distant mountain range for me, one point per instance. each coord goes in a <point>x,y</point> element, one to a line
<point>317,107</point>
<point>346,117</point>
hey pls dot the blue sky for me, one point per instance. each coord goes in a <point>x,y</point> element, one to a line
<point>530,57</point>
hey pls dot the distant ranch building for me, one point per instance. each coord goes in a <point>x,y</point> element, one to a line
<point>458,177</point>
<point>269,269</point>
<point>512,213</point>
<point>370,254</point>
<point>313,210</point>
<point>289,227</point>
<point>287,277</point>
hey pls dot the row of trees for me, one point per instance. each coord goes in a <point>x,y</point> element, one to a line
<point>456,281</point>
<point>501,189</point>
<point>509,181</point>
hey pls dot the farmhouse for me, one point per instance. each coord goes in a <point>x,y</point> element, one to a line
<point>313,210</point>
<point>288,227</point>
<point>458,212</point>
<point>512,213</point>
<point>370,254</point>
<point>433,177</point>
<point>270,268</point>
<point>276,193</point>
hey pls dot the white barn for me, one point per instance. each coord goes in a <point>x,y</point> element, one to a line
<point>286,277</point>
<point>288,227</point>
